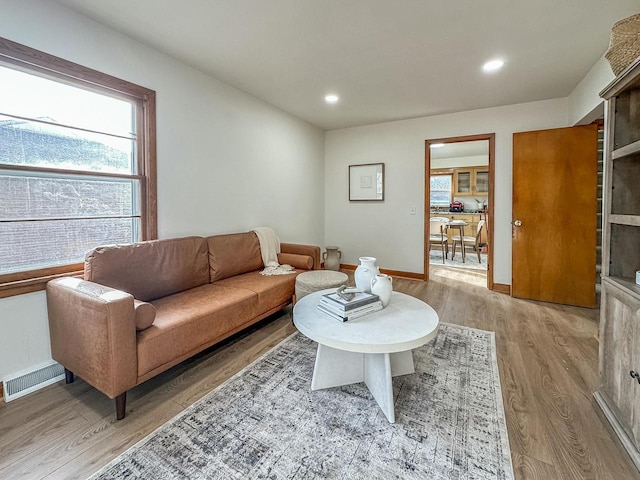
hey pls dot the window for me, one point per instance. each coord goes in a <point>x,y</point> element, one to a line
<point>77,166</point>
<point>441,188</point>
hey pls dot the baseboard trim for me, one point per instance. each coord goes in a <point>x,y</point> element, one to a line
<point>502,288</point>
<point>393,273</point>
<point>618,429</point>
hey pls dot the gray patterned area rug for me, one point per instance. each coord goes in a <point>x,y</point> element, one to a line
<point>471,260</point>
<point>265,422</point>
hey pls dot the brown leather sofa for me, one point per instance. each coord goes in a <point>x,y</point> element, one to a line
<point>145,307</point>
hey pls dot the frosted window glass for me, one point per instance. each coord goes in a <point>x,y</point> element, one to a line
<point>67,172</point>
<point>441,190</point>
<point>32,245</point>
<point>31,96</point>
<point>24,142</point>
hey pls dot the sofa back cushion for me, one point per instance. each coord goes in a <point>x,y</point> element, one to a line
<point>233,254</point>
<point>150,270</point>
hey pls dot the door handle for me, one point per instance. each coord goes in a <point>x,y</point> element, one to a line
<point>517,223</point>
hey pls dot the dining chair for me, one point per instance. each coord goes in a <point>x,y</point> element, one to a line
<point>469,242</point>
<point>438,235</point>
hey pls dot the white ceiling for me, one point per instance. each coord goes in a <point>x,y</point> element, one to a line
<point>386,59</point>
<point>462,149</point>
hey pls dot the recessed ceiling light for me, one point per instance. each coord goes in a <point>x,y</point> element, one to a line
<point>437,145</point>
<point>331,98</point>
<point>493,65</point>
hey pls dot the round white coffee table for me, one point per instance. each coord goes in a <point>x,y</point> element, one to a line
<point>370,349</point>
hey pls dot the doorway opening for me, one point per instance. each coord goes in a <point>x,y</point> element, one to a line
<point>459,192</point>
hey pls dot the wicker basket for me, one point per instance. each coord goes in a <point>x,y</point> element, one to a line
<point>624,46</point>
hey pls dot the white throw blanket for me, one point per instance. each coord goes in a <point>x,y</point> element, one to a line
<point>269,249</point>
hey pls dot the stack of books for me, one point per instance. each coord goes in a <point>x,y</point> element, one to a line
<point>344,310</point>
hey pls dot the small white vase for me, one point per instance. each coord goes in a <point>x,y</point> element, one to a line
<point>365,272</point>
<point>382,285</point>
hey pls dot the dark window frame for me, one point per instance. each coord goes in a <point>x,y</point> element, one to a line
<point>29,60</point>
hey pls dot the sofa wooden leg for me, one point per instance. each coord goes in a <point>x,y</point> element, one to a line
<point>121,405</point>
<point>69,377</point>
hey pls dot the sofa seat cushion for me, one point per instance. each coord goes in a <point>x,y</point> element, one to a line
<point>272,290</point>
<point>189,320</point>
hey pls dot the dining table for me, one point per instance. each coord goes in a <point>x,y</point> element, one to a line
<point>459,225</point>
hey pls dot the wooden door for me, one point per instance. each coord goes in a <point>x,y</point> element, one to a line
<point>554,215</point>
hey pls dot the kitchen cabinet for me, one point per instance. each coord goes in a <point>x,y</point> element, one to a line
<point>619,360</point>
<point>470,181</point>
<point>481,184</point>
<point>462,182</point>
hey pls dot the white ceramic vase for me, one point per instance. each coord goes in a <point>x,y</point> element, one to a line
<point>382,285</point>
<point>365,272</point>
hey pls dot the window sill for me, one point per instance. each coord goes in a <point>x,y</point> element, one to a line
<point>28,285</point>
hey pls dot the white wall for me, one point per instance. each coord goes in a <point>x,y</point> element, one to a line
<point>455,162</point>
<point>227,162</point>
<point>385,230</point>
<point>585,104</point>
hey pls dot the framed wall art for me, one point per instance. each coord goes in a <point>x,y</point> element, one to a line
<point>366,182</point>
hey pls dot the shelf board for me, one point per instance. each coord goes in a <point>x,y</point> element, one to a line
<point>626,151</point>
<point>627,284</point>
<point>632,220</point>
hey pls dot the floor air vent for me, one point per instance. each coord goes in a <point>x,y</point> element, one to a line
<point>22,383</point>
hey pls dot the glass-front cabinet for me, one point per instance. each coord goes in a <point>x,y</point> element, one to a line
<point>482,180</point>
<point>463,182</point>
<point>471,181</point>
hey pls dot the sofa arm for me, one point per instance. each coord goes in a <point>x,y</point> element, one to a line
<point>93,333</point>
<point>299,249</point>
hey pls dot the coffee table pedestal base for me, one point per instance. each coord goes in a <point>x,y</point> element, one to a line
<point>335,368</point>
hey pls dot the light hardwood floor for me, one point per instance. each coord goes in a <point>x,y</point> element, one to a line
<point>547,356</point>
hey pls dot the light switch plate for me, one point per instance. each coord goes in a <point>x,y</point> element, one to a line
<point>412,210</point>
